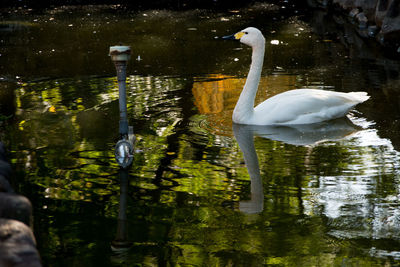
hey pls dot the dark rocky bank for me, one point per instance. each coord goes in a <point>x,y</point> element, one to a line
<point>373,19</point>
<point>377,20</point>
<point>17,242</point>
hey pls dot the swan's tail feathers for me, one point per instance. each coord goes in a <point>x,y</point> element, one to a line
<point>359,97</point>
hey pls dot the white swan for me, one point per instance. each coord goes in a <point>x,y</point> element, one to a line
<point>299,106</point>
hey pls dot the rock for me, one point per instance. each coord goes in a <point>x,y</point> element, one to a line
<point>5,169</point>
<point>354,12</point>
<point>373,30</point>
<point>380,11</point>
<point>5,185</point>
<point>362,20</point>
<point>17,207</point>
<point>345,4</point>
<point>391,21</point>
<point>2,152</point>
<point>379,19</point>
<point>17,245</point>
<point>368,7</point>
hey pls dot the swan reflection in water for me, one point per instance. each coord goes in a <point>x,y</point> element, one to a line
<point>302,135</point>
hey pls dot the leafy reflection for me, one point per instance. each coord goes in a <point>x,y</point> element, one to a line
<point>187,191</point>
<point>60,121</point>
<point>332,203</point>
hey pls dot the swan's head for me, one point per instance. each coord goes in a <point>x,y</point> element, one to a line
<point>250,36</point>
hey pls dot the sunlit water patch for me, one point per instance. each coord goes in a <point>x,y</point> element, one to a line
<point>356,201</point>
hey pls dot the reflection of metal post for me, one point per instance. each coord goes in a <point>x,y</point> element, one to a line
<point>124,148</point>
<point>121,242</point>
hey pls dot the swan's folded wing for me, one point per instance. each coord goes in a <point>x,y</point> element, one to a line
<point>307,106</point>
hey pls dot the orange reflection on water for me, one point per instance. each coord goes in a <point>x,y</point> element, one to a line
<point>220,92</point>
<point>215,96</point>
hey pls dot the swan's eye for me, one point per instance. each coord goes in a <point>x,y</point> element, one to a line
<point>246,32</point>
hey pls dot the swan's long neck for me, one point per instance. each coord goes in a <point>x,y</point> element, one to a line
<point>245,106</point>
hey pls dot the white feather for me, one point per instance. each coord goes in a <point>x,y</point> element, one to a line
<point>300,106</point>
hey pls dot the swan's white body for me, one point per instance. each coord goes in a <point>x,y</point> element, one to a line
<point>300,106</point>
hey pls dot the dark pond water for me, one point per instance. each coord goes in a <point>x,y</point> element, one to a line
<point>201,191</point>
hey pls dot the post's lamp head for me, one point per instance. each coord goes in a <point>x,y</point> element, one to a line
<point>120,53</point>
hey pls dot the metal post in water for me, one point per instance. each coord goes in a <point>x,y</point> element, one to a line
<point>120,55</point>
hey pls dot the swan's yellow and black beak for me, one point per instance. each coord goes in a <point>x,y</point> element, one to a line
<point>235,36</point>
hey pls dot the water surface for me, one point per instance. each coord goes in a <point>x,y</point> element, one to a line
<point>201,191</point>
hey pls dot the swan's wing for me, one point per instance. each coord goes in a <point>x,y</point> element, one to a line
<point>307,106</point>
